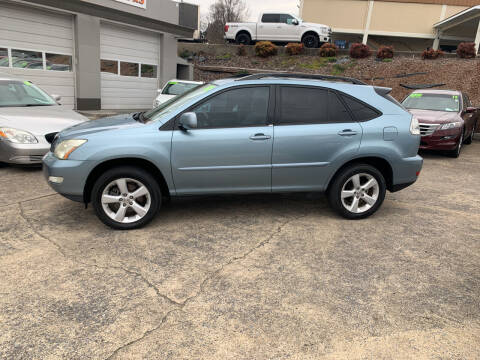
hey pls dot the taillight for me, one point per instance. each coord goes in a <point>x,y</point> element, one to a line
<point>226,28</point>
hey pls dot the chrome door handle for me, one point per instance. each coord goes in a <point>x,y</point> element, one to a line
<point>260,137</point>
<point>347,132</point>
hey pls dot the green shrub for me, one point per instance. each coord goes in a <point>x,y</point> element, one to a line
<point>466,50</point>
<point>359,51</point>
<point>328,50</point>
<point>385,52</point>
<point>265,49</point>
<point>294,49</point>
<point>432,54</point>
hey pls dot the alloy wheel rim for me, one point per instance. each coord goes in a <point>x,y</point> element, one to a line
<point>360,193</point>
<point>126,200</point>
<point>309,41</point>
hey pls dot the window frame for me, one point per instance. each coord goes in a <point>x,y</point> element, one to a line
<point>173,124</point>
<point>339,95</point>
<point>44,59</point>
<point>269,22</point>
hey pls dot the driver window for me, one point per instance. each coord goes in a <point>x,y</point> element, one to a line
<point>234,108</point>
<point>286,19</point>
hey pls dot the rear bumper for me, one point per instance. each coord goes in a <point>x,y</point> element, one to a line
<point>23,154</point>
<point>406,172</point>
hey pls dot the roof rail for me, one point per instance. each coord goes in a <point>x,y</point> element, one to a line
<point>302,76</point>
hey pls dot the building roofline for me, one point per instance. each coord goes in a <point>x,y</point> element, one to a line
<point>457,15</point>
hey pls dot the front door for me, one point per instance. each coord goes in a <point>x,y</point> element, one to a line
<point>313,129</point>
<point>231,149</point>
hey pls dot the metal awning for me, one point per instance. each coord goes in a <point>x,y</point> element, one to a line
<point>465,24</point>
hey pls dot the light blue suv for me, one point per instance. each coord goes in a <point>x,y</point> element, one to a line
<point>258,133</point>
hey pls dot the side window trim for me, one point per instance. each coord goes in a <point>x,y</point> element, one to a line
<point>172,124</point>
<point>342,94</point>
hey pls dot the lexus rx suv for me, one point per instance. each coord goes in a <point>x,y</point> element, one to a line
<point>263,133</point>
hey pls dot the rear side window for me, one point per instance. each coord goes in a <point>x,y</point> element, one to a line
<point>337,112</point>
<point>271,18</point>
<point>360,111</point>
<point>302,105</point>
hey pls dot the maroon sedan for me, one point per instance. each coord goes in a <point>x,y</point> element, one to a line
<point>447,119</point>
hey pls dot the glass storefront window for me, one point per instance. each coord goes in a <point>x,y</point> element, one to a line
<point>4,57</point>
<point>58,62</point>
<point>128,69</point>
<point>27,59</point>
<point>149,71</point>
<point>109,66</point>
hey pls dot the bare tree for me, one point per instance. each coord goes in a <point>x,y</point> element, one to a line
<point>221,12</point>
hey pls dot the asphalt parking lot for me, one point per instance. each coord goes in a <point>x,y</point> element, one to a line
<point>253,277</point>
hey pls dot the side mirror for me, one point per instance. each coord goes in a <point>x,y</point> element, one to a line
<point>295,22</point>
<point>470,109</point>
<point>159,91</point>
<point>188,121</point>
<point>56,97</point>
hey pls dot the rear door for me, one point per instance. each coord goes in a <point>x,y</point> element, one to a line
<point>269,27</point>
<point>469,118</point>
<point>313,128</point>
<point>231,149</point>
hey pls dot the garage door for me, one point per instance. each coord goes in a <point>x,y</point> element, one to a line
<point>129,65</point>
<point>37,45</point>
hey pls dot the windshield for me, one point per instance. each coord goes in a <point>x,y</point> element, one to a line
<point>434,102</point>
<point>177,102</point>
<point>18,93</point>
<point>178,88</point>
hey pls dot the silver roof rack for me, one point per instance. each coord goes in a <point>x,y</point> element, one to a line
<point>302,76</point>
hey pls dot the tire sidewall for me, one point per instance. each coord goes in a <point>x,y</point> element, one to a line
<point>244,36</point>
<point>126,172</point>
<point>335,190</point>
<point>316,42</point>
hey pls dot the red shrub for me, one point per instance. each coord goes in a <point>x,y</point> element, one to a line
<point>466,50</point>
<point>328,50</point>
<point>294,48</point>
<point>265,49</point>
<point>432,54</point>
<point>385,52</point>
<point>359,51</point>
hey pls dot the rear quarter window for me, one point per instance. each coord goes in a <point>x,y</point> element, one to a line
<point>359,110</point>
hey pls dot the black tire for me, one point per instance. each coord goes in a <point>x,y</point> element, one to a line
<point>153,199</point>
<point>343,179</point>
<point>458,149</point>
<point>243,39</point>
<point>311,41</point>
<point>469,140</point>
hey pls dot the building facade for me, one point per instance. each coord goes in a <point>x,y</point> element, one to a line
<point>406,24</point>
<point>95,54</point>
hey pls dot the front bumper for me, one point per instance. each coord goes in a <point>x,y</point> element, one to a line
<point>23,154</point>
<point>441,140</point>
<point>73,173</point>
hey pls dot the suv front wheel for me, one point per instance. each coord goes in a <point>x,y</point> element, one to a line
<point>126,198</point>
<point>357,191</point>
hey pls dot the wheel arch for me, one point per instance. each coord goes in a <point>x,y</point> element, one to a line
<point>243,31</point>
<point>309,32</point>
<point>131,161</point>
<point>379,163</point>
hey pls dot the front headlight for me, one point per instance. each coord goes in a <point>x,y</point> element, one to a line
<point>18,136</point>
<point>452,125</point>
<point>414,126</point>
<point>66,147</point>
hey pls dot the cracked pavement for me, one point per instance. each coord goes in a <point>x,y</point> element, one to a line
<point>245,277</point>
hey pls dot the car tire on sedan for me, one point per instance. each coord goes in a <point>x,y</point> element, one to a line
<point>458,149</point>
<point>357,191</point>
<point>126,198</point>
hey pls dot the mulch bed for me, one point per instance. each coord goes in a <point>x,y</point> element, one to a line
<point>457,74</point>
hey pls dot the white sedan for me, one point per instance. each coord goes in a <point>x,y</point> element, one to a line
<point>174,88</point>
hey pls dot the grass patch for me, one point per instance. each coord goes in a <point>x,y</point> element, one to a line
<point>226,56</point>
<point>338,69</point>
<point>314,65</point>
<point>387,60</point>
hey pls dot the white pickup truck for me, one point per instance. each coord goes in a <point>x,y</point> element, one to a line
<point>278,27</point>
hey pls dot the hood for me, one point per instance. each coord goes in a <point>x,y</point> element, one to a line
<point>40,120</point>
<point>100,125</point>
<point>435,117</point>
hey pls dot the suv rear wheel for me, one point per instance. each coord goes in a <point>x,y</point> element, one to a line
<point>126,198</point>
<point>243,39</point>
<point>357,191</point>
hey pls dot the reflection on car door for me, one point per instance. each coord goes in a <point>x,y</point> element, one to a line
<point>231,150</point>
<point>312,128</point>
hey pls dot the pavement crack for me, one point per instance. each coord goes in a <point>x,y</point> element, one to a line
<point>30,224</point>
